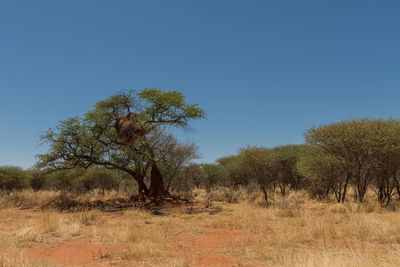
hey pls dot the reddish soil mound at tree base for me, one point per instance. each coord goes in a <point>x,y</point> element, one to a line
<point>75,253</point>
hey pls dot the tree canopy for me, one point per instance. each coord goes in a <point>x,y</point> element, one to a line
<point>91,139</point>
<point>363,152</point>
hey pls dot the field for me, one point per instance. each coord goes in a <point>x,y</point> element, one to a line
<point>220,228</point>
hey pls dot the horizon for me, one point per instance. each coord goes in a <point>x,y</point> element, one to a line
<point>264,72</point>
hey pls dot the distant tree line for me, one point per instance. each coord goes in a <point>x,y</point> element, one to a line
<point>76,180</point>
<point>358,155</point>
<point>85,156</point>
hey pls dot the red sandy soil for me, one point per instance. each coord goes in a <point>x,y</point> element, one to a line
<point>9,227</point>
<point>206,250</point>
<point>75,253</point>
<point>211,259</point>
<point>211,245</point>
<point>210,249</point>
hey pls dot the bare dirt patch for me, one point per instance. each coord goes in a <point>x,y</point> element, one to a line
<point>215,239</point>
<point>75,253</point>
<point>207,250</point>
<point>212,259</point>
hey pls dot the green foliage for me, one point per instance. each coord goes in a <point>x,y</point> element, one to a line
<point>13,178</point>
<point>189,177</point>
<point>259,164</point>
<point>322,174</point>
<point>66,180</point>
<point>214,174</point>
<point>102,179</point>
<point>92,141</point>
<point>172,156</point>
<point>81,180</point>
<point>38,180</point>
<point>168,107</point>
<point>233,173</point>
<point>362,152</point>
<point>207,176</point>
<point>289,157</point>
<point>225,161</point>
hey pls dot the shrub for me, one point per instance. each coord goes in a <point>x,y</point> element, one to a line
<point>38,180</point>
<point>13,178</point>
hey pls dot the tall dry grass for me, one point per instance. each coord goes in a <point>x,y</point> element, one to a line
<point>299,231</point>
<point>295,231</point>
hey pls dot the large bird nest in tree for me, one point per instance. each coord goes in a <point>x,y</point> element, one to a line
<point>129,129</point>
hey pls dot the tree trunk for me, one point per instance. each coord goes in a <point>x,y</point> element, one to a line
<point>143,191</point>
<point>265,193</point>
<point>283,190</point>
<point>397,185</point>
<point>157,188</point>
<point>345,188</point>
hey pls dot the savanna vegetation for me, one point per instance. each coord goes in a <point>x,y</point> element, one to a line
<point>331,201</point>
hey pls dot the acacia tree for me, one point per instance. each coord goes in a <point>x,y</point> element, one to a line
<point>287,157</point>
<point>366,152</point>
<point>92,139</point>
<point>385,142</point>
<point>324,174</point>
<point>346,142</point>
<point>260,165</point>
<point>213,175</point>
<point>12,178</point>
<point>189,177</point>
<point>232,173</point>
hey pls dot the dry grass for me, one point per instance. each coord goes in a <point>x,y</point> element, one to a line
<point>234,226</point>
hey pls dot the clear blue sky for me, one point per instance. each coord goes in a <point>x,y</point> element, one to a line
<point>264,71</point>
